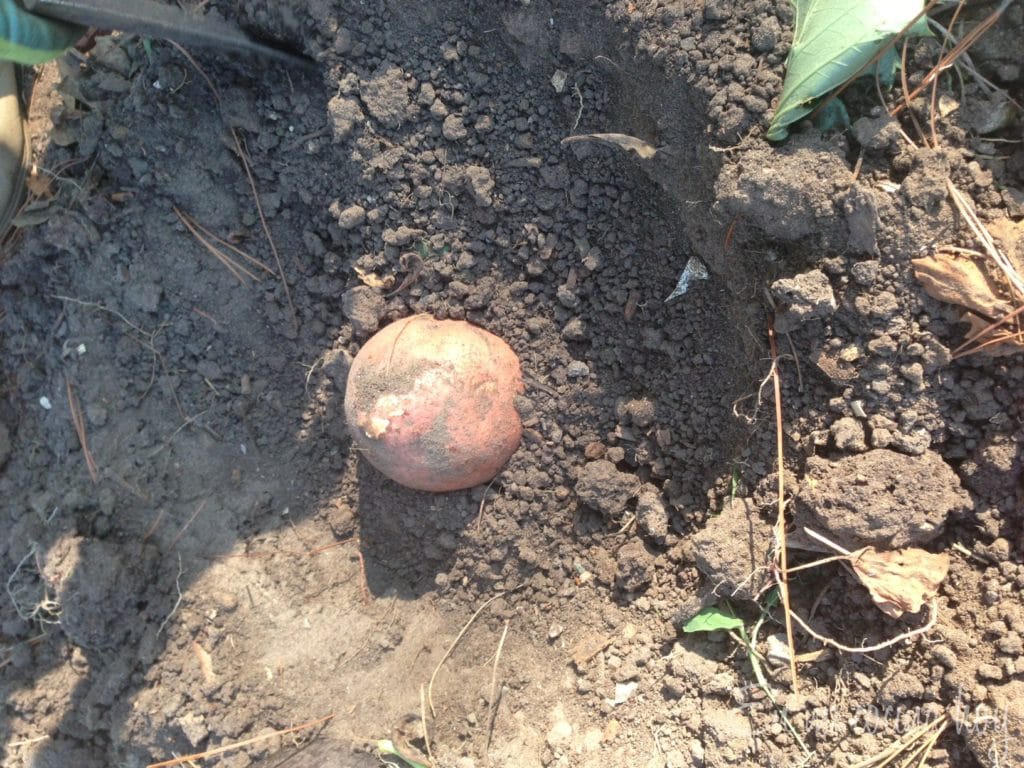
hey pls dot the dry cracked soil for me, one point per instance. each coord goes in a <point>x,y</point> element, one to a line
<point>219,564</point>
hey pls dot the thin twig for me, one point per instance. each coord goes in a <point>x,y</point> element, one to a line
<point>364,582</point>
<point>984,237</point>
<point>924,736</point>
<point>231,246</point>
<point>153,526</point>
<point>947,60</point>
<point>933,612</point>
<point>177,538</point>
<point>237,270</point>
<point>483,500</point>
<point>239,744</point>
<point>492,702</point>
<point>465,628</point>
<point>905,90</point>
<point>177,603</point>
<point>423,725</point>
<point>79,422</point>
<point>780,523</point>
<point>243,156</point>
<point>974,344</point>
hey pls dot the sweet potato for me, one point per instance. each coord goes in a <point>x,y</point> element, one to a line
<point>430,403</point>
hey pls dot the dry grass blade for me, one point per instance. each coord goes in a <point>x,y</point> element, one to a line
<point>185,527</point>
<point>239,271</point>
<point>229,245</point>
<point>947,60</point>
<point>79,421</point>
<point>492,699</point>
<point>425,731</point>
<point>966,210</point>
<point>782,566</point>
<point>243,157</point>
<point>914,747</point>
<point>992,338</point>
<point>239,744</point>
<point>465,628</point>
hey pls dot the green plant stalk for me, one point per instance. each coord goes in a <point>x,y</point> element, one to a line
<point>762,680</point>
<point>387,748</point>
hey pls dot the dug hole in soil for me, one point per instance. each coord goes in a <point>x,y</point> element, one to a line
<point>220,564</point>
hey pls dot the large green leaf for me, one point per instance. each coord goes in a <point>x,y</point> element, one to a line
<point>832,41</point>
<point>26,38</point>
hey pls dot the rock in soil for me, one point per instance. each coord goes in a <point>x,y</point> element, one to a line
<point>606,489</point>
<point>733,550</point>
<point>802,298</point>
<point>880,498</point>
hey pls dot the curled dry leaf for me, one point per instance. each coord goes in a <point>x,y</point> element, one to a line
<point>902,580</point>
<point>373,280</point>
<point>958,280</point>
<point>621,140</point>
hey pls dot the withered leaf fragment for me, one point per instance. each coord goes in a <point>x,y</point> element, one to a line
<point>958,280</point>
<point>902,580</point>
<point>631,143</point>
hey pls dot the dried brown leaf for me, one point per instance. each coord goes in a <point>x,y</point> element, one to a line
<point>587,648</point>
<point>373,280</point>
<point>621,140</point>
<point>958,280</point>
<point>984,334</point>
<point>205,661</point>
<point>902,580</point>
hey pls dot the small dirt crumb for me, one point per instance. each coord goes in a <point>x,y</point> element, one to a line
<point>651,516</point>
<point>143,295</point>
<point>364,308</point>
<point>345,115</point>
<point>848,435</point>
<point>634,567</point>
<point>350,217</point>
<point>804,297</point>
<point>604,488</point>
<point>640,412</point>
<point>728,733</point>
<point>386,96</point>
<point>336,366</point>
<point>574,330</point>
<point>453,128</point>
<point>480,184</point>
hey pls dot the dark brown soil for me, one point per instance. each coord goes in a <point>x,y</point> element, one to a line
<point>233,567</point>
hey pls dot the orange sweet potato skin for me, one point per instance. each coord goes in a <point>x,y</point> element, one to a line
<point>431,403</point>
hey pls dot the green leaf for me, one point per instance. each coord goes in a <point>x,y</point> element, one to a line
<point>29,39</point>
<point>833,40</point>
<point>712,619</point>
<point>387,748</point>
